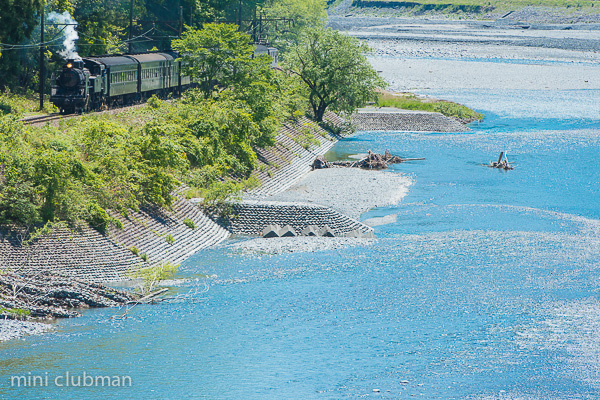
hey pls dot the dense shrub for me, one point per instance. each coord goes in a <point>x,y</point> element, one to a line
<point>80,170</point>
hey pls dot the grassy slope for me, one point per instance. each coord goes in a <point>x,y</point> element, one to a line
<point>409,101</point>
<point>21,105</point>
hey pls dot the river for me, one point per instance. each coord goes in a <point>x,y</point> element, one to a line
<point>486,286</point>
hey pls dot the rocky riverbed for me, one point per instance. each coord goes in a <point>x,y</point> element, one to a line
<point>507,14</point>
<point>415,54</point>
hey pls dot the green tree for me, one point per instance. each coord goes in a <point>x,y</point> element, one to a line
<point>102,26</point>
<point>335,69</point>
<point>17,22</point>
<point>218,53</point>
<point>303,13</point>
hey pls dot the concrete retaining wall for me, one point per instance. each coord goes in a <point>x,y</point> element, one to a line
<point>254,216</point>
<point>281,165</point>
<point>150,231</point>
<point>82,253</point>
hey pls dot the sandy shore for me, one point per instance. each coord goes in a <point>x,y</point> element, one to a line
<point>351,191</point>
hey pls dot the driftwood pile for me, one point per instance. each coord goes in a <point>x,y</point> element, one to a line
<point>502,163</point>
<point>371,161</point>
<point>54,296</point>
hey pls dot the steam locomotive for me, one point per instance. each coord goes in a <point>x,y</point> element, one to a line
<point>93,83</point>
<point>98,82</point>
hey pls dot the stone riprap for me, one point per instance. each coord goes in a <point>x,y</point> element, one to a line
<point>404,120</point>
<point>162,236</point>
<point>82,253</point>
<point>252,217</point>
<point>86,254</point>
<point>54,296</point>
<point>281,165</point>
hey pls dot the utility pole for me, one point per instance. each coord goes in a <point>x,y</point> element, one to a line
<point>130,27</point>
<point>260,29</point>
<point>180,20</point>
<point>42,65</point>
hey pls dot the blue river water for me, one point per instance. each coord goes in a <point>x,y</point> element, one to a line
<point>485,287</point>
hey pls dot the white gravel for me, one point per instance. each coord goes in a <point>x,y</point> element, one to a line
<point>424,74</point>
<point>351,191</point>
<point>11,329</point>
<point>416,55</point>
<point>300,244</point>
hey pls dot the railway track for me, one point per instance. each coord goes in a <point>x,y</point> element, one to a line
<point>38,120</point>
<point>42,119</point>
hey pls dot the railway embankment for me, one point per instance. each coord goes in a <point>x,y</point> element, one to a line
<point>150,236</point>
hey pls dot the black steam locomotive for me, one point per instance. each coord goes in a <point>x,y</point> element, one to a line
<point>94,83</point>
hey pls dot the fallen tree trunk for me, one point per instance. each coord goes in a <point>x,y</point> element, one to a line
<point>371,161</point>
<point>45,295</point>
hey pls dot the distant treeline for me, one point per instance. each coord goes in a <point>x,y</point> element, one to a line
<point>451,8</point>
<point>470,6</point>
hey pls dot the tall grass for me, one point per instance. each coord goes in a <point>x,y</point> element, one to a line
<point>20,104</point>
<point>412,102</point>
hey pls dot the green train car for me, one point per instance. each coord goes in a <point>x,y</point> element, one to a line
<point>93,83</point>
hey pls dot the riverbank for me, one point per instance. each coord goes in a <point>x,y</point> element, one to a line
<point>14,329</point>
<point>28,299</point>
<point>337,197</point>
<point>428,56</point>
<point>508,12</point>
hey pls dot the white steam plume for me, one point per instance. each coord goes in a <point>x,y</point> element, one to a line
<point>69,33</point>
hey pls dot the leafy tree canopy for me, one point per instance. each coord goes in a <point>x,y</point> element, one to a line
<point>218,53</point>
<point>18,18</point>
<point>335,70</point>
<point>302,13</point>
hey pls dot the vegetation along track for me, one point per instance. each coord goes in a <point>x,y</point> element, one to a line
<point>41,119</point>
